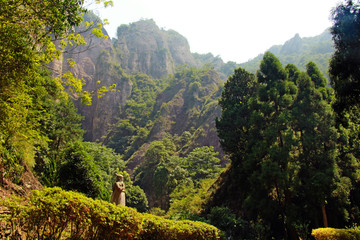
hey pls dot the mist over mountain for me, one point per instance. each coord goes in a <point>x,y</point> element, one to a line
<point>300,51</point>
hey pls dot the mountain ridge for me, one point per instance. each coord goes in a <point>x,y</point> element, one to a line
<point>299,51</point>
<point>165,57</point>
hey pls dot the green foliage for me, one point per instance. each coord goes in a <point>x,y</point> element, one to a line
<point>121,136</point>
<point>335,234</point>
<point>136,198</point>
<point>159,228</point>
<point>79,172</point>
<point>142,99</point>
<point>202,163</point>
<point>170,179</point>
<point>188,200</point>
<point>89,168</point>
<point>279,130</point>
<point>153,173</point>
<point>236,227</point>
<point>344,65</point>
<point>10,165</point>
<point>222,217</point>
<point>236,114</point>
<point>132,130</point>
<point>107,160</point>
<point>61,124</point>
<point>344,75</point>
<point>54,213</point>
<point>28,31</point>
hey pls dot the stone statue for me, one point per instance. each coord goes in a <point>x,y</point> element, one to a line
<point>118,195</point>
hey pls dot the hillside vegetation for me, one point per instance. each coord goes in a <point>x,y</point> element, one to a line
<point>56,214</point>
<point>268,150</point>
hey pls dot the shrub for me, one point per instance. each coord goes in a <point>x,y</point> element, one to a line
<point>336,234</point>
<point>159,228</point>
<point>57,214</point>
<point>54,213</point>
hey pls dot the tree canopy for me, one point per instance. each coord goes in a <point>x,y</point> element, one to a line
<point>344,66</point>
<point>279,130</point>
<point>32,34</point>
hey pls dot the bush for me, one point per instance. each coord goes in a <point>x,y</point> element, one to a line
<point>159,228</point>
<point>336,234</point>
<point>57,214</point>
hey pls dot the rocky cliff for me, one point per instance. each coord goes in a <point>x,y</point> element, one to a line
<point>98,66</point>
<point>141,47</point>
<point>144,47</point>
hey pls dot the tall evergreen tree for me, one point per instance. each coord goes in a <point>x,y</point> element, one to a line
<point>345,78</point>
<point>344,66</point>
<point>286,157</point>
<point>314,124</point>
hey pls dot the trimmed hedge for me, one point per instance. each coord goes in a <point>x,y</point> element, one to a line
<point>57,214</point>
<point>336,234</point>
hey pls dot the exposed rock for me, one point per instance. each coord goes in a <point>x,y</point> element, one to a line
<point>145,48</point>
<point>28,183</point>
<point>104,110</point>
<point>96,64</point>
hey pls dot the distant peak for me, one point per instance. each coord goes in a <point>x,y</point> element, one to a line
<point>297,36</point>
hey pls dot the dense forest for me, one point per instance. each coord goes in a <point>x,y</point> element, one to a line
<point>266,149</point>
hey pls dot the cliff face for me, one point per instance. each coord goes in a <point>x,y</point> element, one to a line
<point>97,66</point>
<point>106,109</point>
<point>143,47</point>
<point>189,101</point>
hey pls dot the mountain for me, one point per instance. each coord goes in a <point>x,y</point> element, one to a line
<point>187,105</point>
<point>223,69</point>
<point>161,89</point>
<point>300,51</point>
<point>144,47</point>
<point>163,93</point>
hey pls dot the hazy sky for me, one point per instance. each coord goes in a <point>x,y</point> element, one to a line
<point>236,30</point>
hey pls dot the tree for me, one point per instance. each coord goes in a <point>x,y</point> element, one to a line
<point>269,161</point>
<point>153,175</point>
<point>344,66</point>
<point>79,172</point>
<point>281,139</point>
<point>315,125</point>
<point>28,30</point>
<point>61,125</point>
<point>345,78</point>
<point>120,137</point>
<point>202,163</point>
<point>233,125</point>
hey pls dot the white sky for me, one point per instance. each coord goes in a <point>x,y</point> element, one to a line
<point>236,30</point>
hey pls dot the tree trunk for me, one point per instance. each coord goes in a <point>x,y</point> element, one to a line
<point>324,216</point>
